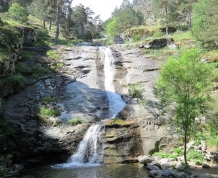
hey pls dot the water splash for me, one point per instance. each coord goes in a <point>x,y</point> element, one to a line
<point>88,151</point>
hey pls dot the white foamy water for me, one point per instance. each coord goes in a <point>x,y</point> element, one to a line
<point>116,104</point>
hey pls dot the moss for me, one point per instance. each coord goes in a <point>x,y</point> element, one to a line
<point>53,54</point>
<point>75,121</point>
<point>118,123</point>
<point>15,81</point>
<point>39,71</point>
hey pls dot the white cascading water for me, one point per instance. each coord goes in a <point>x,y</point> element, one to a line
<point>116,104</point>
<point>87,152</point>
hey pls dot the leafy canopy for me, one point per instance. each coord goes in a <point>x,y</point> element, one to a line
<point>184,87</point>
<point>18,13</point>
<point>205,21</point>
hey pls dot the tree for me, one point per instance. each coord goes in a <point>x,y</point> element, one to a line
<point>186,8</point>
<point>95,26</point>
<point>166,10</point>
<point>18,13</point>
<point>183,86</point>
<point>205,21</point>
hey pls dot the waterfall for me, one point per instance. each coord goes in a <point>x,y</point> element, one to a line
<point>116,104</point>
<point>88,151</point>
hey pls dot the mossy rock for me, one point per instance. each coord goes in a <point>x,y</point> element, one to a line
<point>117,123</point>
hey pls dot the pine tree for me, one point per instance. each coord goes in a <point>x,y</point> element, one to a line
<point>205,22</point>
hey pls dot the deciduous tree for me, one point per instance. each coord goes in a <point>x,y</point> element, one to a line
<point>184,86</point>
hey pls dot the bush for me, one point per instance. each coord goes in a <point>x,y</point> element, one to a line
<point>75,121</point>
<point>39,71</point>
<point>49,112</point>
<point>18,13</point>
<point>136,90</point>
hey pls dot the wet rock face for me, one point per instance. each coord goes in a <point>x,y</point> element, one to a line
<point>121,142</point>
<point>77,92</point>
<point>144,70</point>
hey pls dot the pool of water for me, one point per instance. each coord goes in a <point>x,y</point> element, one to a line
<point>102,171</point>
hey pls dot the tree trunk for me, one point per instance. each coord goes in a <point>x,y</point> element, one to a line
<point>44,23</point>
<point>166,11</point>
<point>50,21</point>
<point>185,148</point>
<point>57,24</point>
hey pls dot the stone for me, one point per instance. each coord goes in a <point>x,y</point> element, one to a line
<point>155,173</point>
<point>143,159</point>
<point>205,166</point>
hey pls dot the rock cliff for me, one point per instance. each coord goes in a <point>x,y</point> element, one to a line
<point>77,91</point>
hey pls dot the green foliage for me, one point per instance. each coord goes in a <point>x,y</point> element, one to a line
<point>49,112</point>
<point>38,71</point>
<point>185,83</point>
<point>5,162</point>
<point>15,81</point>
<point>6,146</point>
<point>204,22</point>
<point>157,34</point>
<point>136,37</point>
<point>22,68</point>
<point>178,151</point>
<point>195,156</point>
<point>48,99</point>
<point>136,90</point>
<point>27,54</point>
<point>18,13</point>
<point>53,54</point>
<point>213,141</point>
<point>75,121</point>
<point>165,155</point>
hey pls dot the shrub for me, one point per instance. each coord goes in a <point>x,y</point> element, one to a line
<point>136,90</point>
<point>18,13</point>
<point>49,112</point>
<point>75,121</point>
<point>22,68</point>
<point>39,71</point>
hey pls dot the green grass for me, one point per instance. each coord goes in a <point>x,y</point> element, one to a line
<point>195,157</point>
<point>136,90</point>
<point>53,54</point>
<point>165,155</point>
<point>22,68</point>
<point>27,54</point>
<point>75,121</point>
<point>59,64</point>
<point>38,71</point>
<point>48,99</point>
<point>15,81</point>
<point>49,112</point>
